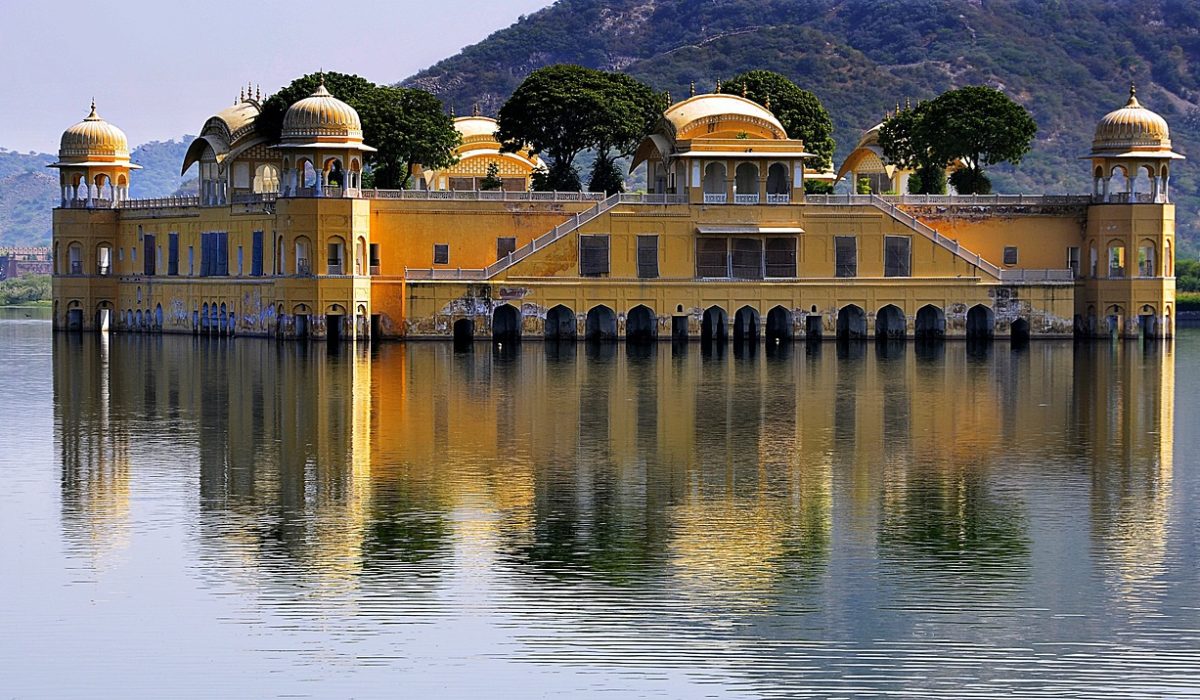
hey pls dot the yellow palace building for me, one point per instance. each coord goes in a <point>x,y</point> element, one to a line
<point>282,240</point>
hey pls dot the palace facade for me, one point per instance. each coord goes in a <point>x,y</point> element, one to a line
<point>282,240</point>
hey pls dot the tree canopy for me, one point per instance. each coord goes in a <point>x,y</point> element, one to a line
<point>801,113</point>
<point>973,126</point>
<point>561,111</point>
<point>407,126</point>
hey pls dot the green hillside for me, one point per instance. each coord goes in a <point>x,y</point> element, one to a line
<point>29,190</point>
<point>1068,62</point>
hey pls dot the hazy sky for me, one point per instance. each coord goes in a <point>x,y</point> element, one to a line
<point>159,69</point>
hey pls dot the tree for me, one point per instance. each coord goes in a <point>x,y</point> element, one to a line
<point>973,126</point>
<point>563,110</point>
<point>978,126</point>
<point>606,176</point>
<point>407,126</point>
<point>801,113</point>
<point>492,180</point>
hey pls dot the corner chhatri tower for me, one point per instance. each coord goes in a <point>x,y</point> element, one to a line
<point>282,240</point>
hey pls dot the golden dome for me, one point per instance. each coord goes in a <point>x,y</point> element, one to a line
<point>731,110</point>
<point>321,117</point>
<point>93,139</point>
<point>476,127</point>
<point>1131,128</point>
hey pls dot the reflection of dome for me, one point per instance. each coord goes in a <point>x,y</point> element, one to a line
<point>1131,128</point>
<point>321,116</point>
<point>709,109</point>
<point>93,139</point>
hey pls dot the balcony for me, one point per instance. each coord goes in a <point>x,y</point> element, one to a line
<point>103,270</point>
<point>76,267</point>
<point>715,198</point>
<point>779,199</point>
<point>745,198</point>
<point>335,267</point>
<point>303,267</point>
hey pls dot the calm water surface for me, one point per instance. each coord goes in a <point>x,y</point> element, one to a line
<point>188,517</point>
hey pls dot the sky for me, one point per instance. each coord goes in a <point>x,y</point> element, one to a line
<point>159,69</point>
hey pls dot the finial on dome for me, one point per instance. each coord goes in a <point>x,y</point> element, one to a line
<point>669,98</point>
<point>907,103</point>
<point>241,95</point>
<point>475,110</point>
<point>744,90</point>
<point>768,102</point>
<point>452,111</point>
<point>92,114</point>
<point>693,89</point>
<point>1133,100</point>
<point>258,93</point>
<point>718,86</point>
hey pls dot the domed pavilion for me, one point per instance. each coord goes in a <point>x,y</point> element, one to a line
<point>1132,144</point>
<point>93,164</point>
<point>323,140</point>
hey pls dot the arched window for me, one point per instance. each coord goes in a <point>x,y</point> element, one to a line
<point>336,258</point>
<point>714,183</point>
<point>778,186</point>
<point>266,178</point>
<point>1094,263</point>
<point>1168,261</point>
<point>1116,259</point>
<point>1146,267</point>
<point>745,184</point>
<point>303,256</point>
<point>75,259</point>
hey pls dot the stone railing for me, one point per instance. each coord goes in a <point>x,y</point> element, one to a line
<point>1037,276</point>
<point>161,202</point>
<point>984,199</point>
<point>484,195</point>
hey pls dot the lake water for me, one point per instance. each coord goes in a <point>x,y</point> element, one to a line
<point>186,517</point>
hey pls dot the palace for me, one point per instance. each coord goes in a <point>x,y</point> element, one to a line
<point>282,240</point>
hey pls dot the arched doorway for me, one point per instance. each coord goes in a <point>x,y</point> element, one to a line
<point>560,323</point>
<point>1019,332</point>
<point>745,325</point>
<point>981,323</point>
<point>713,325</point>
<point>464,332</point>
<point>745,184</point>
<point>851,323</point>
<point>779,325</point>
<point>778,187</point>
<point>889,323</point>
<point>601,324</point>
<point>335,323</point>
<point>930,323</point>
<point>714,183</point>
<point>641,326</point>
<point>158,317</point>
<point>1148,323</point>
<point>506,324</point>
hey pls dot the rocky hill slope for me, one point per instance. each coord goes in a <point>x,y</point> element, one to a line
<point>1068,62</point>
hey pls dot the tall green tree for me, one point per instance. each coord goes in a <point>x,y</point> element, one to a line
<point>407,126</point>
<point>631,111</point>
<point>973,126</point>
<point>906,146</point>
<point>801,113</point>
<point>978,126</point>
<point>561,111</point>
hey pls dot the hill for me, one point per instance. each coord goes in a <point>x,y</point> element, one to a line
<point>1068,62</point>
<point>29,190</point>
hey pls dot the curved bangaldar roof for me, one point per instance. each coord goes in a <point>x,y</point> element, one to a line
<point>226,132</point>
<point>1132,130</point>
<point>723,113</point>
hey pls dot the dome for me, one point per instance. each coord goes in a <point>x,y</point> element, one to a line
<point>476,127</point>
<point>93,139</point>
<point>1131,128</point>
<point>321,117</point>
<point>716,108</point>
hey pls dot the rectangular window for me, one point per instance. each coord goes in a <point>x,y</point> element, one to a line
<point>374,258</point>
<point>148,256</point>
<point>593,255</point>
<point>504,246</point>
<point>1010,255</point>
<point>846,256</point>
<point>191,261</point>
<point>746,258</point>
<point>214,254</point>
<point>1073,260</point>
<point>256,257</point>
<point>241,261</point>
<point>781,257</point>
<point>712,257</point>
<point>173,254</point>
<point>1116,261</point>
<point>647,256</point>
<point>441,254</point>
<point>897,256</point>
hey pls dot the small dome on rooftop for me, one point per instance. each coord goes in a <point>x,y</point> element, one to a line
<point>1131,128</point>
<point>320,117</point>
<point>93,139</point>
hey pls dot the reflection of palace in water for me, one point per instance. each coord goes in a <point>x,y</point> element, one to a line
<point>731,475</point>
